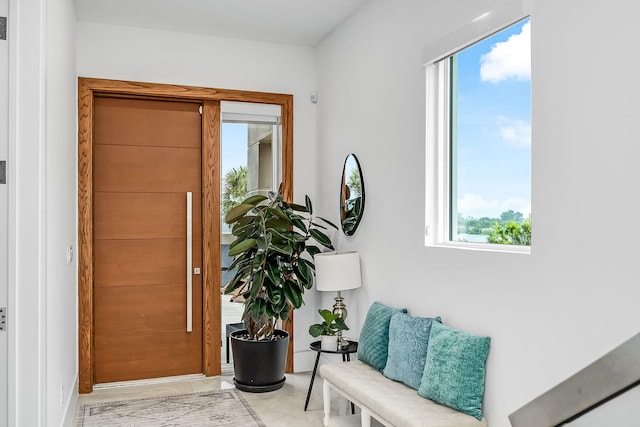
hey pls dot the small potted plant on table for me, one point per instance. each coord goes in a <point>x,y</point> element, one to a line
<point>328,328</point>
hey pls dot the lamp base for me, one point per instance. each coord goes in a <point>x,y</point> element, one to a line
<point>341,309</point>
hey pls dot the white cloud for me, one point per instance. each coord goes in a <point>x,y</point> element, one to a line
<point>514,131</point>
<point>517,205</point>
<point>475,205</point>
<point>509,59</point>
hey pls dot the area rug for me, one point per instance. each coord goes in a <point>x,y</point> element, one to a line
<point>213,408</point>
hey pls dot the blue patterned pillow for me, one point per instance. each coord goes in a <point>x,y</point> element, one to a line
<point>454,373</point>
<point>374,337</point>
<point>408,340</point>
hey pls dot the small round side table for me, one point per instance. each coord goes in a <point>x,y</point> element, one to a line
<point>346,353</point>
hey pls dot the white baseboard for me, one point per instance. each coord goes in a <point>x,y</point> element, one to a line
<point>69,419</point>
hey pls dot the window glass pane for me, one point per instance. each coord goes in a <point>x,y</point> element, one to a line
<point>250,153</point>
<point>247,169</point>
<point>490,158</point>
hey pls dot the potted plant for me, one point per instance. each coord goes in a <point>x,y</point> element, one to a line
<point>328,328</point>
<point>273,257</point>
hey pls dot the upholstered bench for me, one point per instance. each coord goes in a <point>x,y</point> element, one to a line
<point>390,402</point>
<point>411,371</point>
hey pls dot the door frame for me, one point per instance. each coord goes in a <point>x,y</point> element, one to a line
<point>88,88</point>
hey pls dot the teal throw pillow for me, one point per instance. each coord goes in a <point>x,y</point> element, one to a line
<point>408,340</point>
<point>374,337</point>
<point>454,372</point>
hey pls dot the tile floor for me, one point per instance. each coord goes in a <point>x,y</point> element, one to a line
<point>281,408</point>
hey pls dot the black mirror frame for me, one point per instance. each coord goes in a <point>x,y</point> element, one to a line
<point>349,227</point>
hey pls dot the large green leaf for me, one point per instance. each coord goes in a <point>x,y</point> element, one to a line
<point>298,208</point>
<point>242,227</point>
<point>257,309</point>
<point>257,261</point>
<point>234,284</point>
<point>278,213</point>
<point>305,274</point>
<point>297,237</point>
<point>273,273</point>
<point>277,224</point>
<point>328,222</point>
<point>284,313</point>
<point>242,246</point>
<point>282,300</point>
<point>241,263</point>
<point>263,243</point>
<point>270,311</point>
<point>292,293</point>
<point>275,295</point>
<point>313,250</point>
<point>256,283</point>
<point>243,221</point>
<point>282,248</point>
<point>298,223</point>
<point>237,212</point>
<point>321,238</point>
<point>328,316</point>
<point>315,224</point>
<point>309,264</point>
<point>307,203</point>
<point>285,235</point>
<point>254,200</point>
<point>316,330</point>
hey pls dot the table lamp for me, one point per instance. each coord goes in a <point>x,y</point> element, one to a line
<point>336,272</point>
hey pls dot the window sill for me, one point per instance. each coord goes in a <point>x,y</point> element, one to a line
<point>484,247</point>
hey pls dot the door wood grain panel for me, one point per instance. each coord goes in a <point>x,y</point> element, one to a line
<point>140,316</point>
<point>146,169</point>
<point>147,122</point>
<point>143,215</point>
<point>140,244</point>
<point>153,355</point>
<point>142,262</point>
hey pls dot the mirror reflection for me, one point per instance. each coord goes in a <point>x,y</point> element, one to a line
<point>351,195</point>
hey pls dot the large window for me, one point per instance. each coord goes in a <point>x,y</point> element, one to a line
<point>479,144</point>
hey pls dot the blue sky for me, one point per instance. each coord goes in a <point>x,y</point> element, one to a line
<point>494,125</point>
<point>234,147</point>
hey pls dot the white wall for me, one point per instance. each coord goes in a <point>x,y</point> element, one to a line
<point>126,53</point>
<point>61,219</point>
<point>42,213</point>
<point>4,198</point>
<point>575,297</point>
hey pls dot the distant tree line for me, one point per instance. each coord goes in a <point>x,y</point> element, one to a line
<point>510,229</point>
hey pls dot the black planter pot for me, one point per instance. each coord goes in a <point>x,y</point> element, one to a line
<point>259,365</point>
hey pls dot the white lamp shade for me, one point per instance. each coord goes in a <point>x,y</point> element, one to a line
<point>337,271</point>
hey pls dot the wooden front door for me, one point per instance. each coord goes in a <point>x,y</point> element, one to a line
<point>147,156</point>
<point>90,91</point>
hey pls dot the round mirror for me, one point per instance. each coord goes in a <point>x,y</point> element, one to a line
<point>351,195</point>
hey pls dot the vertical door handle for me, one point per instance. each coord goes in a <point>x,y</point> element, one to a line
<point>189,261</point>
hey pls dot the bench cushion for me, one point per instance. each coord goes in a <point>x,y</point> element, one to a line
<point>393,401</point>
<point>454,372</point>
<point>408,340</point>
<point>374,336</point>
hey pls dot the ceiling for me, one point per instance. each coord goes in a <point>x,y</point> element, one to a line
<point>296,22</point>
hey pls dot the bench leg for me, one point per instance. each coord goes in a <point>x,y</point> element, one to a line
<point>365,417</point>
<point>326,402</point>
